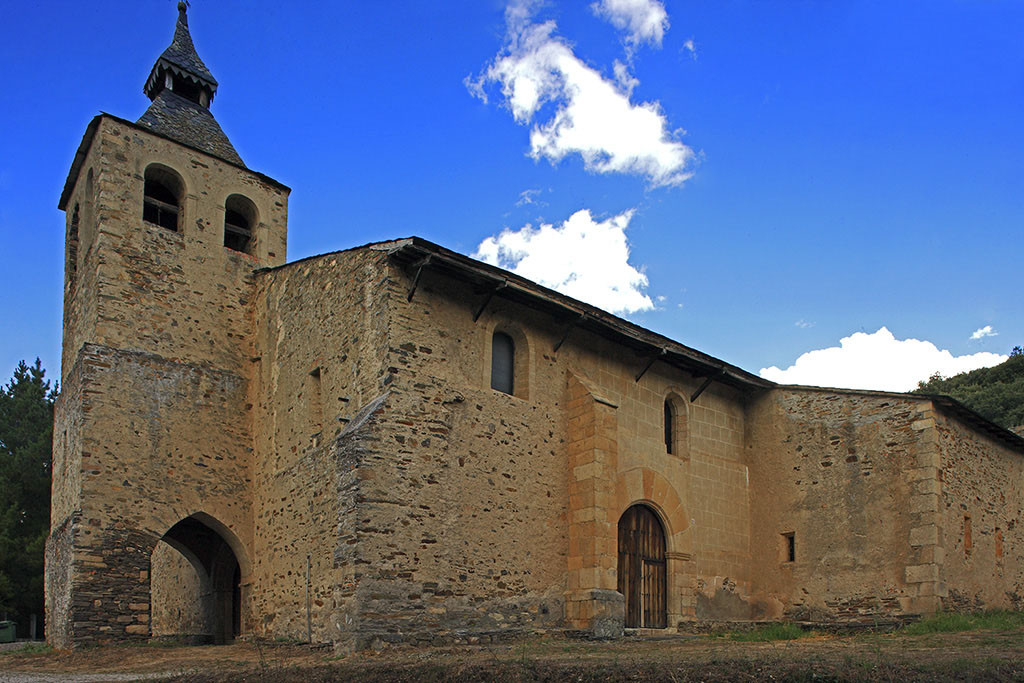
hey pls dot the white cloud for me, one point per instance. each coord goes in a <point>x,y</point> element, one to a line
<point>983,332</point>
<point>803,324</point>
<point>591,116</point>
<point>691,47</point>
<point>527,197</point>
<point>583,258</point>
<point>644,21</point>
<point>877,361</point>
<point>626,80</point>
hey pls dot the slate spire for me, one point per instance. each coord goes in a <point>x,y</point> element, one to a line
<point>181,88</point>
<point>180,69</point>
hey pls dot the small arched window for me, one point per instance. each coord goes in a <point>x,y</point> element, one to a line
<point>670,424</point>
<point>503,357</point>
<point>239,219</point>
<point>675,426</point>
<point>162,197</point>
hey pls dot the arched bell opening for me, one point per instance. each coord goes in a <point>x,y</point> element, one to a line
<point>642,568</point>
<point>195,583</point>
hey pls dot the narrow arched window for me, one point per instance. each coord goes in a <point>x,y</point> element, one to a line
<point>162,197</point>
<point>503,356</point>
<point>670,419</point>
<point>239,219</point>
<point>73,246</point>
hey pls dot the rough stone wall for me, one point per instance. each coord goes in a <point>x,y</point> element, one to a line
<point>467,494</point>
<point>181,294</point>
<point>81,266</point>
<point>981,515</point>
<point>147,463</point>
<point>461,518</point>
<point>321,336</point>
<point>58,581</point>
<point>176,596</point>
<point>66,466</point>
<point>157,350</point>
<point>847,474</point>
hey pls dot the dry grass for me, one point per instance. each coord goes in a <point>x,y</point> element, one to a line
<point>935,655</point>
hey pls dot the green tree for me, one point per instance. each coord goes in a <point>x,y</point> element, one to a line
<point>996,393</point>
<point>26,436</point>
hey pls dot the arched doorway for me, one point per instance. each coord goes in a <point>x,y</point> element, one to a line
<point>642,568</point>
<point>210,596</point>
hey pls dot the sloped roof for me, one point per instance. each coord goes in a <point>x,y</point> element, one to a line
<point>90,133</point>
<point>180,58</point>
<point>191,124</point>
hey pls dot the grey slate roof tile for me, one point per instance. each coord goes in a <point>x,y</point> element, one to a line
<point>182,58</point>
<point>191,124</point>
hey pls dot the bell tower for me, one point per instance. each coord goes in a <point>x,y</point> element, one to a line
<point>165,226</point>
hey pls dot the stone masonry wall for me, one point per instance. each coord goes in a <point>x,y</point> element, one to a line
<point>66,466</point>
<point>981,511</point>
<point>496,561</point>
<point>321,342</point>
<point>841,471</point>
<point>461,514</point>
<point>176,591</point>
<point>81,266</point>
<point>58,581</point>
<point>181,294</point>
<point>146,463</point>
<point>157,323</point>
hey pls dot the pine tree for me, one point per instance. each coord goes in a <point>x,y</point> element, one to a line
<point>26,436</point>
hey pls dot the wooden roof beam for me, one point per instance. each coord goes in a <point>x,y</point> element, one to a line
<point>664,352</point>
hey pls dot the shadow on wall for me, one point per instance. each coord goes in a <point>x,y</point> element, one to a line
<point>195,585</point>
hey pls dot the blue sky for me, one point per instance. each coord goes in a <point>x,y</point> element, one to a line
<point>784,175</point>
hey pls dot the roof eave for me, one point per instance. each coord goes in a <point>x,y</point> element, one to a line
<point>586,316</point>
<point>76,163</point>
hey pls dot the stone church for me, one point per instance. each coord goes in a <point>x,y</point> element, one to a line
<point>396,443</point>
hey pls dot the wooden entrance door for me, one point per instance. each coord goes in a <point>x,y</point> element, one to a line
<point>642,568</point>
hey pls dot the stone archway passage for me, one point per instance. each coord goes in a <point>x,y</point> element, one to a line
<point>641,570</point>
<point>219,573</point>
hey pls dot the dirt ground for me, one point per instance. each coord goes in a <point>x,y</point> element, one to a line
<point>976,655</point>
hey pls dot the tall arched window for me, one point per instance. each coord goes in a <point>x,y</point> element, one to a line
<point>670,420</point>
<point>162,197</point>
<point>239,220</point>
<point>674,425</point>
<point>72,267</point>
<point>503,358</point>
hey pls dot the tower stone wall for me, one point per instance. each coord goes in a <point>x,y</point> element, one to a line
<point>158,350</point>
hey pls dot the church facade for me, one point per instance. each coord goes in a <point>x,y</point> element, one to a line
<point>399,444</point>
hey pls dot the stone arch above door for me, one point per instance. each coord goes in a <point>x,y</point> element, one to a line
<point>644,485</point>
